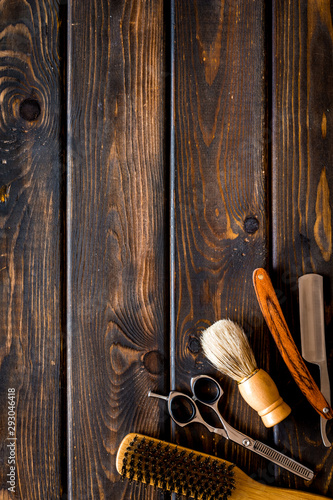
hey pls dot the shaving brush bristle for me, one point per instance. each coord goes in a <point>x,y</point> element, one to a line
<point>226,346</point>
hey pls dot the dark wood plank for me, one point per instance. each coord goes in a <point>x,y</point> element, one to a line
<point>117,227</point>
<point>302,199</point>
<point>220,196</point>
<point>30,248</point>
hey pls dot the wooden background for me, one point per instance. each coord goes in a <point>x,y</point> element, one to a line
<point>152,155</point>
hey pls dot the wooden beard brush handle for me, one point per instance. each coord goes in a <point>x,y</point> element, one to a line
<point>261,393</point>
<point>276,322</point>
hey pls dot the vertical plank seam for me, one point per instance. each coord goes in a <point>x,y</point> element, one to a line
<point>68,260</point>
<point>63,53</point>
<point>172,197</point>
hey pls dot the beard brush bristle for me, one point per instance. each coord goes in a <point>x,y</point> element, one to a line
<point>169,467</point>
<point>227,348</point>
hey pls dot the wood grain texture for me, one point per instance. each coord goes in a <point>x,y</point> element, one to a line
<point>302,181</point>
<point>117,237</point>
<point>220,195</point>
<point>223,211</point>
<point>30,246</point>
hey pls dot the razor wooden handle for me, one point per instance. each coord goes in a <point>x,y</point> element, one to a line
<point>276,322</point>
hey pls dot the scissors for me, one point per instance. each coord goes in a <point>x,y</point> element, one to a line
<point>184,410</point>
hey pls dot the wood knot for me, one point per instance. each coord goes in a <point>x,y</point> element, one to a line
<point>30,110</point>
<point>251,225</point>
<point>194,345</point>
<point>153,362</point>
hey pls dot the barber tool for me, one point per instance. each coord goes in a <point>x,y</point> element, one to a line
<point>190,473</point>
<point>226,346</point>
<point>276,322</point>
<point>207,391</point>
<point>312,324</point>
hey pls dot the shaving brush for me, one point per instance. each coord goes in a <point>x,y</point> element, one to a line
<point>227,348</point>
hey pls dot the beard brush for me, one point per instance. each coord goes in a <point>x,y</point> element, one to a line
<point>190,473</point>
<point>227,348</point>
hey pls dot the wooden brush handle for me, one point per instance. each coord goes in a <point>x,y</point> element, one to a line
<point>261,393</point>
<point>276,322</point>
